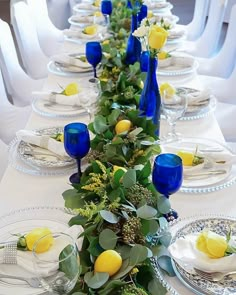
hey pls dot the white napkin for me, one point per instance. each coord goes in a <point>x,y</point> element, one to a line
<point>184,60</point>
<point>157,5</point>
<point>85,97</point>
<point>87,6</point>
<point>25,258</point>
<point>198,96</point>
<point>184,251</point>
<point>70,60</point>
<point>82,18</point>
<point>78,34</point>
<point>43,141</point>
<point>176,33</point>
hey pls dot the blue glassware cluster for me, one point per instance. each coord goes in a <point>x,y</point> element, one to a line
<point>77,145</point>
<point>142,13</point>
<point>106,7</point>
<point>94,54</point>
<point>167,177</point>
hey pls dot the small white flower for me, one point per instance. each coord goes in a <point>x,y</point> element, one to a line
<point>144,22</point>
<point>140,32</point>
<point>167,24</point>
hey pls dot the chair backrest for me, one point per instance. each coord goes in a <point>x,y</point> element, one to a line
<point>59,12</point>
<point>196,27</point>
<point>3,158</point>
<point>3,96</point>
<point>18,84</point>
<point>34,61</point>
<point>48,35</point>
<point>206,45</point>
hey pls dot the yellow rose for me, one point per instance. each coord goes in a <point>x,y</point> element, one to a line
<point>211,244</point>
<point>71,89</point>
<point>157,37</point>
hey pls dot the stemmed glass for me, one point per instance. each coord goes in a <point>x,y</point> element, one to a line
<point>167,177</point>
<point>106,9</point>
<point>77,145</point>
<point>58,268</point>
<point>94,54</point>
<point>173,108</point>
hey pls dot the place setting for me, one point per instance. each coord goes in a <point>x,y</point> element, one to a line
<point>36,244</point>
<point>203,255</point>
<point>87,6</point>
<point>158,6</point>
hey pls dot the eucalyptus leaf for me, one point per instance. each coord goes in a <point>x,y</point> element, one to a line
<point>163,223</point>
<point>136,131</point>
<point>155,285</point>
<point>129,178</point>
<point>109,287</point>
<point>109,216</point>
<point>97,280</point>
<point>73,199</point>
<point>78,219</point>
<point>125,268</point>
<point>166,239</point>
<point>69,262</point>
<point>124,251</point>
<point>107,239</point>
<point>163,204</point>
<point>165,263</point>
<point>138,254</point>
<point>112,118</point>
<point>146,212</point>
<point>100,124</point>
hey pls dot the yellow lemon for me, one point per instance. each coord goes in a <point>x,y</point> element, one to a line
<point>167,89</point>
<point>108,261</point>
<point>150,14</point>
<point>216,245</point>
<point>123,126</point>
<point>71,89</point>
<point>61,137</point>
<point>115,168</point>
<point>44,244</point>
<point>90,30</point>
<point>97,13</point>
<point>162,55</point>
<point>187,158</point>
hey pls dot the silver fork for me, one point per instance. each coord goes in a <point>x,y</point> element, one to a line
<point>33,282</point>
<point>213,276</point>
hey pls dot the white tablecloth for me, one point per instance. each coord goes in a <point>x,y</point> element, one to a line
<point>19,190</point>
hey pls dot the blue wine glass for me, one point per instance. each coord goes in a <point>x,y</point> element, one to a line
<point>167,177</point>
<point>106,9</point>
<point>94,54</point>
<point>77,145</point>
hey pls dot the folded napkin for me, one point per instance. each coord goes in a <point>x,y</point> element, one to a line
<point>176,33</point>
<point>82,18</point>
<point>25,258</point>
<point>71,60</point>
<point>184,251</point>
<point>43,141</point>
<point>78,34</point>
<point>184,60</point>
<point>87,6</point>
<point>156,5</point>
<point>198,96</point>
<point>85,96</point>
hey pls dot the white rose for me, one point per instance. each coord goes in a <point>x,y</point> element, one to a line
<point>140,32</point>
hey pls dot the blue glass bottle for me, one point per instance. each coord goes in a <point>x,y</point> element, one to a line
<point>150,100</point>
<point>133,49</point>
<point>143,13</point>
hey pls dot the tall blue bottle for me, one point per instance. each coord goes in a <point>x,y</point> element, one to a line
<point>150,100</point>
<point>133,49</point>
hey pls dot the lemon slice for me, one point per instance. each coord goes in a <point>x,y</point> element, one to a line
<point>90,30</point>
<point>167,89</point>
<point>71,89</point>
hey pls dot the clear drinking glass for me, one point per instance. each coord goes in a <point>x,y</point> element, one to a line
<point>58,268</point>
<point>173,108</point>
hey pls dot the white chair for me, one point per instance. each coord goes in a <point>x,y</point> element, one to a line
<point>18,84</point>
<point>34,60</point>
<point>206,45</point>
<point>222,64</point>
<point>3,158</point>
<point>50,38</point>
<point>196,27</point>
<point>59,12</point>
<point>12,118</point>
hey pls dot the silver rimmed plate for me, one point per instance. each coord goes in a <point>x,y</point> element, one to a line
<point>191,283</point>
<point>218,170</point>
<point>85,8</point>
<point>67,71</point>
<point>159,6</point>
<point>82,21</point>
<point>181,65</point>
<point>37,161</point>
<point>19,222</point>
<point>187,274</point>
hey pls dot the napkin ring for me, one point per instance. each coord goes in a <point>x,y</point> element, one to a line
<point>10,253</point>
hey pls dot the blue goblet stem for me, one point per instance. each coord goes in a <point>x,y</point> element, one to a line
<point>94,72</point>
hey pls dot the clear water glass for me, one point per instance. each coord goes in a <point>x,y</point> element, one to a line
<point>173,108</point>
<point>58,268</point>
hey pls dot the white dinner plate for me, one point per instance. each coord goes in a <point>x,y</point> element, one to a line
<point>20,222</point>
<point>85,8</point>
<point>217,159</point>
<point>67,71</point>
